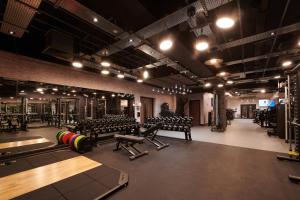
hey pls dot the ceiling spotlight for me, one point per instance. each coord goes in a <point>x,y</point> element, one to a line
<point>146,74</point>
<point>166,44</point>
<point>213,61</point>
<point>220,85</point>
<point>202,43</point>
<point>73,91</point>
<point>130,40</point>
<point>207,84</point>
<point>298,42</point>
<point>11,32</point>
<point>95,19</point>
<point>263,91</point>
<point>105,72</point>
<point>39,89</point>
<point>113,95</point>
<point>222,73</point>
<point>77,63</point>
<point>63,93</point>
<point>139,80</point>
<point>229,82</point>
<point>286,63</point>
<point>74,95</point>
<point>103,97</point>
<point>105,63</point>
<point>277,77</point>
<point>31,98</point>
<point>120,75</point>
<point>68,94</point>
<point>55,89</point>
<point>272,33</point>
<point>225,22</point>
<point>94,93</point>
<point>52,93</point>
<point>42,92</point>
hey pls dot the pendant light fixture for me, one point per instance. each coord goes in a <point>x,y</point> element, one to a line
<point>105,62</point>
<point>202,42</point>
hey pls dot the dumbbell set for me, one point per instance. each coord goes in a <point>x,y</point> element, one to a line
<point>77,142</point>
<point>181,124</point>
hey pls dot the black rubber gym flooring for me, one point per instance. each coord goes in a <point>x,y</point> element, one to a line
<point>199,170</point>
<point>87,185</point>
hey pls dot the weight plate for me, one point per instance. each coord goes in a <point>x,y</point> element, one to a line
<point>72,140</point>
<point>76,141</point>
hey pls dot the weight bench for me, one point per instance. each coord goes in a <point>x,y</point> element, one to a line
<point>150,135</point>
<point>127,143</point>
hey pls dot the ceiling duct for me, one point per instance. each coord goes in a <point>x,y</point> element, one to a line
<point>59,45</point>
<point>17,16</point>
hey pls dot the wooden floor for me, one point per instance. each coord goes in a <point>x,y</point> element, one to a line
<point>21,183</point>
<point>22,143</point>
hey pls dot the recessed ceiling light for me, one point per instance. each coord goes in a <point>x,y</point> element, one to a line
<point>103,97</point>
<point>222,73</point>
<point>94,93</point>
<point>73,91</point>
<point>146,74</point>
<point>139,80</point>
<point>31,98</point>
<point>286,63</point>
<point>55,89</point>
<point>22,91</point>
<point>120,75</point>
<point>207,84</point>
<point>115,31</point>
<point>298,42</point>
<point>11,32</point>
<point>277,77</point>
<point>220,85</point>
<point>39,89</point>
<point>213,61</point>
<point>42,92</point>
<point>229,82</point>
<point>68,94</point>
<point>225,22</point>
<point>272,33</point>
<point>236,92</point>
<point>95,19</point>
<point>130,40</point>
<point>113,95</point>
<point>166,44</point>
<point>263,91</point>
<point>105,62</point>
<point>202,43</point>
<point>77,64</point>
<point>105,72</point>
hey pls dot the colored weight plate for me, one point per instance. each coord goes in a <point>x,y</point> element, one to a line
<point>61,135</point>
<point>57,134</point>
<point>72,140</point>
<point>76,141</point>
<point>67,137</point>
<point>80,143</point>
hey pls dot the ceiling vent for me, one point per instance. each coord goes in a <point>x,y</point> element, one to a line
<point>59,45</point>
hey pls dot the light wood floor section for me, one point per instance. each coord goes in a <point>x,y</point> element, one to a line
<point>24,182</point>
<point>22,143</point>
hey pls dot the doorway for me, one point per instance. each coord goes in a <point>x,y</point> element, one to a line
<point>247,111</point>
<point>146,108</point>
<point>194,108</point>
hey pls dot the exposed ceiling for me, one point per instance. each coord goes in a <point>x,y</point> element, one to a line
<point>264,35</point>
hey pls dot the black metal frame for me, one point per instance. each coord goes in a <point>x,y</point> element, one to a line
<point>128,145</point>
<point>150,136</point>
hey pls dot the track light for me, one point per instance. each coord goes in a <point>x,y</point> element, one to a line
<point>77,63</point>
<point>277,77</point>
<point>222,73</point>
<point>202,43</point>
<point>39,89</point>
<point>120,75</point>
<point>225,22</point>
<point>139,80</point>
<point>263,91</point>
<point>166,44</point>
<point>229,82</point>
<point>105,72</point>
<point>220,85</point>
<point>146,74</point>
<point>73,91</point>
<point>286,63</point>
<point>113,95</point>
<point>95,19</point>
<point>55,89</point>
<point>207,85</point>
<point>213,61</point>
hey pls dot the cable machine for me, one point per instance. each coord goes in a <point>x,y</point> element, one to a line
<point>293,118</point>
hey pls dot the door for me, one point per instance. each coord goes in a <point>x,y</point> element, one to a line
<point>247,111</point>
<point>194,108</point>
<point>146,108</point>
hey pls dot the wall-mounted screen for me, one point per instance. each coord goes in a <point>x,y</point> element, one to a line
<point>263,103</point>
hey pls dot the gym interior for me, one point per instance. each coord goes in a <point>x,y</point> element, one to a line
<point>150,99</point>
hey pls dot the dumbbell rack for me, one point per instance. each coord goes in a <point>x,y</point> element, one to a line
<point>180,124</point>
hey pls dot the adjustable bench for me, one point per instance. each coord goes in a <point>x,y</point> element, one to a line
<point>127,143</point>
<point>150,135</point>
